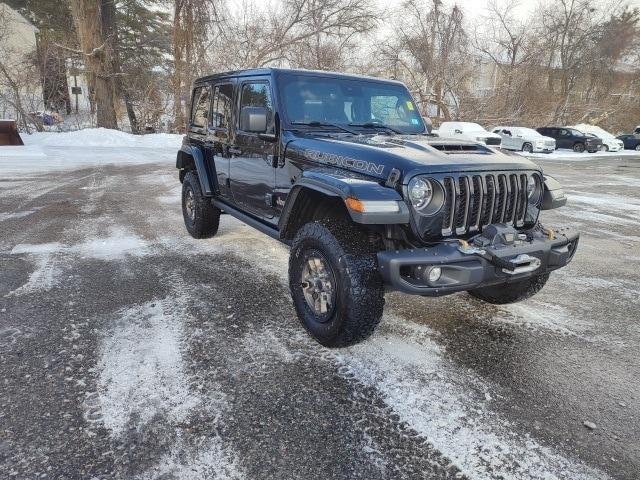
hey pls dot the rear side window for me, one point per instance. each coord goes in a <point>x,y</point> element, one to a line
<point>221,105</point>
<point>200,108</point>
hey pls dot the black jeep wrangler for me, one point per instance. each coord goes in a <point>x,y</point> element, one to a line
<point>341,168</point>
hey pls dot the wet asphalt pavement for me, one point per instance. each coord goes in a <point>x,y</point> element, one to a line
<point>130,350</point>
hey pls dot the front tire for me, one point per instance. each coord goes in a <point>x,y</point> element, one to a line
<point>527,148</point>
<point>200,216</point>
<point>336,289</point>
<point>511,292</point>
<point>578,147</point>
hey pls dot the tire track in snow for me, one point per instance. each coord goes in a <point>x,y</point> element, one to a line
<point>145,391</point>
<point>450,407</point>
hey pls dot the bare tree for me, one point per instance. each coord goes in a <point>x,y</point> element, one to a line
<point>193,22</point>
<point>97,56</point>
<point>303,33</point>
<point>428,50</point>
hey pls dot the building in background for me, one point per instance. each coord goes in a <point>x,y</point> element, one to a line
<point>20,83</point>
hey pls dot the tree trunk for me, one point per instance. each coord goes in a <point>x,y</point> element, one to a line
<point>178,40</point>
<point>110,32</point>
<point>97,58</point>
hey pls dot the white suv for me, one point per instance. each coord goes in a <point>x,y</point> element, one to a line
<point>609,142</point>
<point>525,139</point>
<point>469,131</point>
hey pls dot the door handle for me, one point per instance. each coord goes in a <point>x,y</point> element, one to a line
<point>234,151</point>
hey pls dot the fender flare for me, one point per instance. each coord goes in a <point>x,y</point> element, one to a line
<point>198,161</point>
<point>339,184</point>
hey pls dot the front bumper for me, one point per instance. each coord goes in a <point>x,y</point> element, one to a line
<point>407,270</point>
<point>543,149</point>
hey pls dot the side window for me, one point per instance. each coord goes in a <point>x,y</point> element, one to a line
<point>222,97</point>
<point>258,95</point>
<point>200,107</point>
<point>564,132</point>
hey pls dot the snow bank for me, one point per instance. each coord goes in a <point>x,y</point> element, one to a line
<point>571,156</point>
<point>92,147</point>
<point>101,137</point>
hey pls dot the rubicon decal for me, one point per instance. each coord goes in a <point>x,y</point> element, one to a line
<point>345,162</point>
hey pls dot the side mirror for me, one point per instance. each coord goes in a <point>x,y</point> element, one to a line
<point>254,119</point>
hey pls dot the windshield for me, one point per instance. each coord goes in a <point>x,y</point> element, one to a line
<point>347,101</point>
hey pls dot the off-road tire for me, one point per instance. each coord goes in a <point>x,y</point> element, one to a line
<point>578,147</point>
<point>204,221</point>
<point>511,292</point>
<point>527,147</point>
<point>359,290</point>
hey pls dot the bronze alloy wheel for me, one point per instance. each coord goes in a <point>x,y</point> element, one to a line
<point>319,285</point>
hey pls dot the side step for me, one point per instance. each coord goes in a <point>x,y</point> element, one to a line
<point>249,220</point>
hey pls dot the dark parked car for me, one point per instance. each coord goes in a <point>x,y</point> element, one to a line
<point>340,168</point>
<point>571,138</point>
<point>631,142</point>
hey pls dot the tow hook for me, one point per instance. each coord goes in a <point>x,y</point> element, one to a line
<point>525,264</point>
<point>504,235</point>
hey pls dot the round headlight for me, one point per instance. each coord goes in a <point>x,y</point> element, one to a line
<point>420,192</point>
<point>534,188</point>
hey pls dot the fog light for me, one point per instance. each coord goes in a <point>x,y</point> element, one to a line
<point>434,274</point>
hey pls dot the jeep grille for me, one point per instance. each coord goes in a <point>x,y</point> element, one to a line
<point>475,201</point>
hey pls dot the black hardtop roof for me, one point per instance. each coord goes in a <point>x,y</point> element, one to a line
<point>268,71</point>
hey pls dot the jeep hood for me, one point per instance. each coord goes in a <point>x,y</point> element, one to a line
<point>411,154</point>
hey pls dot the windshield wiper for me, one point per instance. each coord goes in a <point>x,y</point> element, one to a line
<point>376,125</point>
<point>316,123</point>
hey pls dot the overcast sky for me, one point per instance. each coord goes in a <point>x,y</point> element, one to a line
<point>475,8</point>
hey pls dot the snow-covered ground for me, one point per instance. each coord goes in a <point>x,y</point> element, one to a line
<point>52,151</point>
<point>189,350</point>
<point>571,156</point>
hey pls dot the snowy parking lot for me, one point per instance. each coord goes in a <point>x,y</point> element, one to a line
<point>130,350</point>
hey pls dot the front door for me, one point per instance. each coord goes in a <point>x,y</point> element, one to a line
<point>251,161</point>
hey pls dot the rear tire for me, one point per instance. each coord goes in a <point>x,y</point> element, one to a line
<point>578,147</point>
<point>511,292</point>
<point>605,148</point>
<point>637,148</point>
<point>200,216</point>
<point>348,281</point>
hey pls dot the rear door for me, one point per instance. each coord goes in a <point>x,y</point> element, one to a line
<point>565,139</point>
<point>251,161</point>
<point>219,136</point>
<point>199,119</point>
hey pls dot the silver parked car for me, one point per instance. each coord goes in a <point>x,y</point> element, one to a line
<point>525,139</point>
